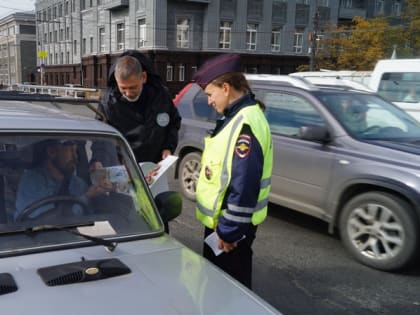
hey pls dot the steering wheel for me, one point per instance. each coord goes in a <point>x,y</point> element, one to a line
<point>25,214</point>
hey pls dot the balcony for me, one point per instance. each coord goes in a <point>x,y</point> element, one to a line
<point>117,4</point>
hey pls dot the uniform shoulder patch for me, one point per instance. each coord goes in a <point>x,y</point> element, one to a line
<point>243,146</point>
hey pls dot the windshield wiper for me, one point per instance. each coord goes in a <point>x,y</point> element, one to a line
<point>110,245</point>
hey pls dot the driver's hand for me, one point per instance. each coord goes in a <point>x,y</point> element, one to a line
<point>101,188</point>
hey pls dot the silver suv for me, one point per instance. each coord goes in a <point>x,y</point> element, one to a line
<point>77,237</point>
<point>345,156</point>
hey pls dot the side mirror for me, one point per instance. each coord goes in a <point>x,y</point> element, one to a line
<point>314,133</point>
<point>169,204</point>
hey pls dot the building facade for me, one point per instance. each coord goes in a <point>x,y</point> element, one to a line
<point>81,38</point>
<point>17,49</point>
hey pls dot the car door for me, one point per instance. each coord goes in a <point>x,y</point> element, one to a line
<point>302,169</point>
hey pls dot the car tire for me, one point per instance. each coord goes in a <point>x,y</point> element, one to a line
<point>188,172</point>
<point>380,230</point>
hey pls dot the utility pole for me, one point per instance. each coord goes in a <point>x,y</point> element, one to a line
<point>313,37</point>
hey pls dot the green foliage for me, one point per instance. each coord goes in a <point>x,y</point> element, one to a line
<point>360,45</point>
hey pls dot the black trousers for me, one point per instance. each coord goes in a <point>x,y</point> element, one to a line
<point>237,263</point>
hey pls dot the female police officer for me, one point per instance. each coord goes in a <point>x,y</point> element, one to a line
<point>234,183</point>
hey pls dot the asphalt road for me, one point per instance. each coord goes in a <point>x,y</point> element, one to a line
<point>301,269</point>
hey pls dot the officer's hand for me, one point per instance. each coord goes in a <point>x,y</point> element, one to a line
<point>165,153</point>
<point>226,247</point>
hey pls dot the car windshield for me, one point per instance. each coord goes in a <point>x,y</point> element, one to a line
<point>368,117</point>
<point>70,180</point>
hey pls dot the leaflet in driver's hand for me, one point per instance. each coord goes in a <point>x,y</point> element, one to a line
<point>117,175</point>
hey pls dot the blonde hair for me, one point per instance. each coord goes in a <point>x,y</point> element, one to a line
<point>238,81</point>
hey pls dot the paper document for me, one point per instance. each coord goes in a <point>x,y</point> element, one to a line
<point>212,239</point>
<point>159,181</point>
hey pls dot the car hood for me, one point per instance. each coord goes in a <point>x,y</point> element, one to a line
<point>165,278</point>
<point>408,146</point>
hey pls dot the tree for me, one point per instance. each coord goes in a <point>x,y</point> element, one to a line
<point>359,46</point>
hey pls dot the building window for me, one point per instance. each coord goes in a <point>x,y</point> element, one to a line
<point>298,42</point>
<point>61,37</point>
<point>379,7</point>
<point>183,33</point>
<point>169,73</point>
<point>75,47</point>
<point>73,6</point>
<point>251,36</point>
<point>102,39</point>
<point>67,32</point>
<point>68,57</point>
<point>396,8</point>
<point>84,46</point>
<point>61,58</point>
<point>346,4</point>
<point>82,4</point>
<point>141,29</point>
<point>120,36</point>
<point>66,8</point>
<point>276,39</point>
<point>225,34</point>
<point>181,73</point>
<point>91,44</point>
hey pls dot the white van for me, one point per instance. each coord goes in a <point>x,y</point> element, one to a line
<point>398,80</point>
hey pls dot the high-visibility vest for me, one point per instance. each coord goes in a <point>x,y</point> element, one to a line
<point>216,169</point>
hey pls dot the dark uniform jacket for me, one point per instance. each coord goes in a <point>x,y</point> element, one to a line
<point>150,124</point>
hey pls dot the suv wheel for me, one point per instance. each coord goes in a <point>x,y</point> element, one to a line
<point>188,172</point>
<point>380,230</point>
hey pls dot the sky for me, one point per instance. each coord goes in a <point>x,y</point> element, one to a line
<point>7,6</point>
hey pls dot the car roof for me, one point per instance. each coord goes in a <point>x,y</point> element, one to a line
<point>21,115</point>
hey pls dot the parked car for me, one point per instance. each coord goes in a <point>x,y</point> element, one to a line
<point>345,156</point>
<point>398,80</point>
<point>106,254</point>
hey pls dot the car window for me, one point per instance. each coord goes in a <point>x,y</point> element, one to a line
<point>33,192</point>
<point>400,86</point>
<point>286,113</point>
<point>370,117</point>
<point>202,108</point>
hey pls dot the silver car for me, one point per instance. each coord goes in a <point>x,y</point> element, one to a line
<point>64,251</point>
<point>345,156</point>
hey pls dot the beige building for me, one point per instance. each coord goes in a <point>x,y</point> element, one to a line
<point>17,48</point>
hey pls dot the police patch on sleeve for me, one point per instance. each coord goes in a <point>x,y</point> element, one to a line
<point>162,119</point>
<point>243,146</point>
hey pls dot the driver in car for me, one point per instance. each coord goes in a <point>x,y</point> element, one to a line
<point>55,176</point>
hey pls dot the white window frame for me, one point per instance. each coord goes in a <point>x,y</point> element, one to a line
<point>102,39</point>
<point>169,72</point>
<point>225,32</point>
<point>276,39</point>
<point>251,36</point>
<point>120,36</point>
<point>183,33</point>
<point>181,73</point>
<point>379,6</point>
<point>298,42</point>
<point>141,30</point>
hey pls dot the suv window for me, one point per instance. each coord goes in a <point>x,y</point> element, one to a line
<point>286,113</point>
<point>202,108</point>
